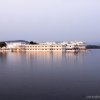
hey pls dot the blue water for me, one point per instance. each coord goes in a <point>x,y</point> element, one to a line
<point>49,76</point>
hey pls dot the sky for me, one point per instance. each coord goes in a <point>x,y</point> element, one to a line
<point>50,20</point>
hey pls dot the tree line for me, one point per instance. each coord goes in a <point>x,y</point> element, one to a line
<point>93,47</point>
<point>3,44</point>
<point>33,43</point>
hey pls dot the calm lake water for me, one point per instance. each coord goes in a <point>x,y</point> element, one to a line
<point>49,76</point>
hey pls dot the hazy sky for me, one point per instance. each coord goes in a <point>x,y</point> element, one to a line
<point>50,20</point>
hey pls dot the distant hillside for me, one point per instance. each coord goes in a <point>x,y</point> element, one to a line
<point>17,41</point>
<point>93,47</point>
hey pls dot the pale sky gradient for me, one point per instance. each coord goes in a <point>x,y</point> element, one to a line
<point>50,20</point>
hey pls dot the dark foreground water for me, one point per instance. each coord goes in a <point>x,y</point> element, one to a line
<point>50,76</point>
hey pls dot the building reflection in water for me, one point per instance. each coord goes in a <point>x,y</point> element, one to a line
<point>43,58</point>
<point>48,58</point>
<point>3,59</point>
<point>75,57</point>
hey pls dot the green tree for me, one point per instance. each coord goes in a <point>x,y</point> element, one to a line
<point>31,42</point>
<point>3,44</point>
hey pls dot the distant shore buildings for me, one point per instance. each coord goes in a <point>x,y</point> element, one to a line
<point>47,46</point>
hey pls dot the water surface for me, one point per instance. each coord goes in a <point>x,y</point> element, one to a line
<point>49,76</point>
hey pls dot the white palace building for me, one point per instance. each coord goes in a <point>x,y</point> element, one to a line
<point>47,46</point>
